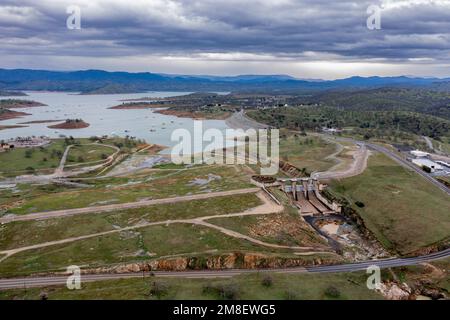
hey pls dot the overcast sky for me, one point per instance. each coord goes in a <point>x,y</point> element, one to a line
<point>303,38</point>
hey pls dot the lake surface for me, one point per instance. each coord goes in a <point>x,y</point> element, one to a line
<point>93,109</point>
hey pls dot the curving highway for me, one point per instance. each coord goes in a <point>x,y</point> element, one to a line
<point>401,161</point>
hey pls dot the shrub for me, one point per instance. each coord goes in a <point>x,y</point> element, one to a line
<point>159,289</point>
<point>267,281</point>
<point>290,295</point>
<point>229,291</point>
<point>360,204</point>
<point>332,292</point>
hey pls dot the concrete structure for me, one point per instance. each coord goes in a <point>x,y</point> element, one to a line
<point>331,130</point>
<point>443,163</point>
<point>419,154</point>
<point>423,162</point>
<point>305,194</point>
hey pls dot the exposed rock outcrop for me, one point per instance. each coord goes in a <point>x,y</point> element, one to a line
<point>234,260</point>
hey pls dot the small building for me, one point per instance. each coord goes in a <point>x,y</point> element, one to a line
<point>419,154</point>
<point>331,130</point>
<point>6,146</point>
<point>421,162</point>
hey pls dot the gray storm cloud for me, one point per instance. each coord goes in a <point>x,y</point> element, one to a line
<point>153,32</point>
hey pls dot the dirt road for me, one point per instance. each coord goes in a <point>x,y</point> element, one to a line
<point>121,206</point>
<point>267,207</point>
<point>357,167</point>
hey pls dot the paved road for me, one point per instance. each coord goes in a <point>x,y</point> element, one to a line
<point>121,206</point>
<point>401,161</point>
<point>409,165</point>
<point>17,283</point>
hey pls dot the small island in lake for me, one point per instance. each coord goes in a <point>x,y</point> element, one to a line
<point>6,114</point>
<point>11,127</point>
<point>16,103</point>
<point>70,124</point>
<point>140,105</point>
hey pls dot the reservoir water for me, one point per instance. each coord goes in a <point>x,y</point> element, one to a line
<point>93,109</point>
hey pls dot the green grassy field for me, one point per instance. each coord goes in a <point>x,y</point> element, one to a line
<point>130,246</point>
<point>16,161</point>
<point>302,287</point>
<point>121,190</point>
<point>88,153</point>
<point>12,234</point>
<point>307,152</point>
<point>404,211</point>
<point>43,160</point>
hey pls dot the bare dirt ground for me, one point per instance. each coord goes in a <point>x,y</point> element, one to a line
<point>357,166</point>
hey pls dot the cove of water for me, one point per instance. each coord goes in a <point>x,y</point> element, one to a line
<point>93,109</point>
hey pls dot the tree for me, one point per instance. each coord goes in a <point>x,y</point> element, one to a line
<point>332,292</point>
<point>28,153</point>
<point>43,295</point>
<point>267,281</point>
<point>159,289</point>
<point>360,204</point>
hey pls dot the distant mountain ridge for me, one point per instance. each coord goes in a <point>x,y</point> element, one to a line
<point>99,81</point>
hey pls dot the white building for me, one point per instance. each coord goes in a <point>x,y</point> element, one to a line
<point>421,162</point>
<point>419,154</point>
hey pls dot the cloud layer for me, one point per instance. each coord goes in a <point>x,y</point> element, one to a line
<point>302,38</point>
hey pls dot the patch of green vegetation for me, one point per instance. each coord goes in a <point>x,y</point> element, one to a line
<point>88,153</point>
<point>12,234</point>
<point>370,123</point>
<point>140,244</point>
<point>402,209</point>
<point>19,161</point>
<point>351,286</point>
<point>169,165</point>
<point>307,152</point>
<point>165,185</point>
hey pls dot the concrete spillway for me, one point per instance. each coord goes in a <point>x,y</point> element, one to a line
<point>305,206</point>
<point>316,202</point>
<point>303,194</point>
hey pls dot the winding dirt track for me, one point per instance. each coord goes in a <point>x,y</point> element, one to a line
<point>357,167</point>
<point>267,207</point>
<point>121,206</point>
